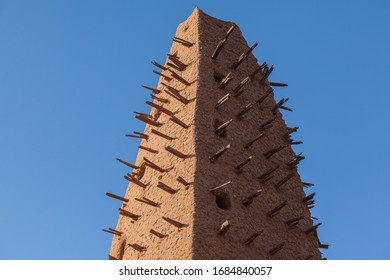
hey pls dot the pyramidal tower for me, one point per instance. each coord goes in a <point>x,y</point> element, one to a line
<point>216,176</point>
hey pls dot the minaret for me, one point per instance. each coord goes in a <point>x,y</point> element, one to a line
<point>216,176</point>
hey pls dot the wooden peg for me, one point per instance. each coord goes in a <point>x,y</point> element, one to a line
<point>239,167</point>
<point>149,121</point>
<point>323,246</point>
<point>240,85</point>
<point>222,101</point>
<point>176,63</point>
<point>244,111</point>
<point>160,108</point>
<point>159,65</point>
<point>276,249</point>
<point>123,212</point>
<point>162,134</point>
<point>225,81</point>
<point>134,180</point>
<point>148,149</point>
<point>280,103</point>
<point>258,70</point>
<point>295,161</point>
<point>113,231</point>
<point>182,41</point>
<point>290,130</point>
<point>163,100</point>
<point>166,188</point>
<point>179,78</point>
<point>153,165</point>
<point>224,227</point>
<point>267,174</point>
<point>306,185</point>
<point>312,228</point>
<point>284,180</point>
<point>220,129</point>
<point>247,145</point>
<point>158,234</point>
<point>243,56</point>
<point>128,164</point>
<point>143,115</point>
<point>266,125</point>
<point>182,181</point>
<point>117,197</point>
<point>296,143</point>
<point>251,238</point>
<point>179,122</point>
<point>293,222</point>
<point>272,84</point>
<point>265,95</point>
<point>154,90</point>
<point>218,188</point>
<point>176,152</point>
<point>222,43</point>
<point>137,247</point>
<point>138,135</point>
<point>173,222</point>
<point>148,201</point>
<point>271,152</point>
<point>162,75</point>
<point>180,98</point>
<point>275,211</point>
<point>219,153</point>
<point>247,201</point>
<point>266,74</point>
<point>309,197</point>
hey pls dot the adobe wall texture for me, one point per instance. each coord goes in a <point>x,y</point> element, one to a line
<point>194,206</point>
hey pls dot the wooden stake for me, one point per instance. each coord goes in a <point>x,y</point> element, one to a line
<point>280,103</point>
<point>224,227</point>
<point>225,81</point>
<point>162,75</point>
<point>270,153</point>
<point>218,188</point>
<point>275,211</point>
<point>247,145</point>
<point>219,130</point>
<point>182,181</point>
<point>277,84</point>
<point>290,130</point>
<point>137,247</point>
<point>183,42</point>
<point>259,69</point>
<point>284,180</point>
<point>128,164</point>
<point>296,143</point>
<point>244,111</point>
<point>154,166</point>
<point>166,188</point>
<point>154,90</point>
<point>222,101</point>
<point>266,125</point>
<point>242,164</point>
<point>247,201</point>
<point>113,231</point>
<point>136,181</point>
<point>240,85</point>
<point>139,135</point>
<point>148,201</point>
<point>268,93</point>
<point>128,214</point>
<point>309,197</point>
<point>117,197</point>
<point>148,149</point>
<point>163,100</point>
<point>179,78</point>
<point>176,63</point>
<point>306,185</point>
<point>156,233</point>
<point>243,56</point>
<point>162,134</point>
<point>159,65</point>
<point>221,43</point>
<point>173,222</point>
<point>293,222</point>
<point>179,122</point>
<point>266,74</point>
<point>219,153</point>
<point>268,174</point>
<point>160,108</point>
<point>175,152</point>
<point>149,121</point>
<point>251,238</point>
<point>312,228</point>
<point>276,249</point>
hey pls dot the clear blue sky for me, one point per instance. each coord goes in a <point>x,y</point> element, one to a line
<point>70,76</point>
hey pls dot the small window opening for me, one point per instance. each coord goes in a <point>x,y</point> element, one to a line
<point>218,77</point>
<point>223,201</point>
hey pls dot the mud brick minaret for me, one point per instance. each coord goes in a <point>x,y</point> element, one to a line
<point>215,176</point>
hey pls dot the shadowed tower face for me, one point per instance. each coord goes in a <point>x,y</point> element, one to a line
<point>215,176</point>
